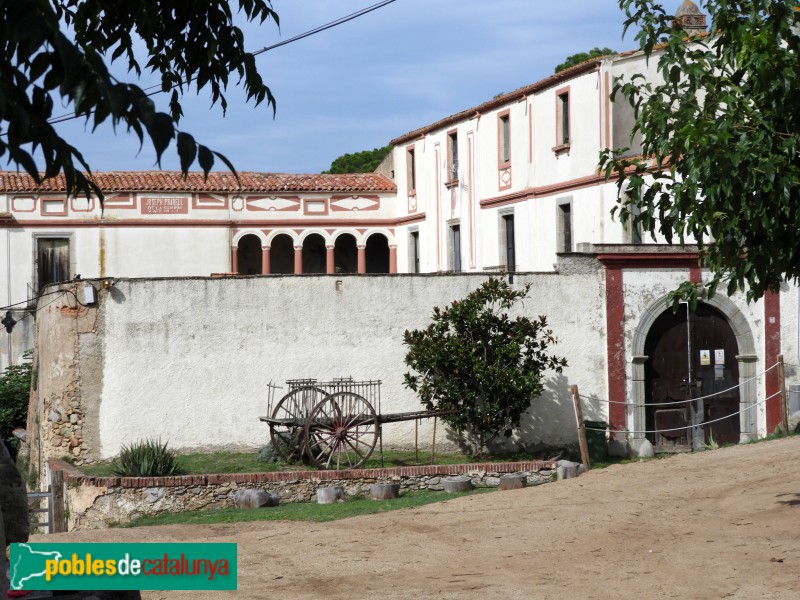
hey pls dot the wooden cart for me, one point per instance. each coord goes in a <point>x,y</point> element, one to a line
<point>332,424</point>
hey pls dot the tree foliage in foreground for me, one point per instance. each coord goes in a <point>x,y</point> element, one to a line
<point>480,363</point>
<point>580,57</point>
<point>723,130</point>
<point>57,52</point>
<point>15,389</point>
<point>365,161</point>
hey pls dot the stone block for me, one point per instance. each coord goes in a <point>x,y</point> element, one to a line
<point>254,498</point>
<point>642,448</point>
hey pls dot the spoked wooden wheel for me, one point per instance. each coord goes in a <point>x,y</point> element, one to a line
<point>287,426</point>
<point>342,431</point>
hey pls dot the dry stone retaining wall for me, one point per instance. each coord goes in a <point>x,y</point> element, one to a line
<point>96,502</point>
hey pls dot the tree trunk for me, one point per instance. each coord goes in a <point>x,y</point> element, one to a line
<point>330,495</point>
<point>458,484</point>
<point>384,491</point>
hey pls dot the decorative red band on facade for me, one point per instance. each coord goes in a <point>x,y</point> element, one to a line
<point>298,260</point>
<point>362,259</point>
<point>772,348</point>
<point>329,266</point>
<point>266,267</point>
<point>234,259</point>
<point>615,328</point>
<point>662,260</point>
<point>695,274</point>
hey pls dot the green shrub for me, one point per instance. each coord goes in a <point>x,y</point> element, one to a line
<point>15,389</point>
<point>481,364</point>
<point>146,458</point>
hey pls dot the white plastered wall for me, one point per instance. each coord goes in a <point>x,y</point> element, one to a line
<point>189,359</point>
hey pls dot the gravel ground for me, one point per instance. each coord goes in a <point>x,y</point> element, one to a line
<point>721,524</point>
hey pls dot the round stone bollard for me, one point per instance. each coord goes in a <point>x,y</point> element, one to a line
<point>457,484</point>
<point>513,481</point>
<point>255,499</point>
<point>384,491</point>
<point>330,495</point>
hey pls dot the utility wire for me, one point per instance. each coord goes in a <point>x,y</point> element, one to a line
<point>660,404</point>
<point>157,89</point>
<point>704,423</point>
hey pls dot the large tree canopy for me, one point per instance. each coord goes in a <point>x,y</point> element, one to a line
<point>59,50</point>
<point>721,138</point>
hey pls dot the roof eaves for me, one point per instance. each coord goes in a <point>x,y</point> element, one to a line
<point>515,95</point>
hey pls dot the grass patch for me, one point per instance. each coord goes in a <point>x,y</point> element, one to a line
<point>248,462</point>
<point>304,511</point>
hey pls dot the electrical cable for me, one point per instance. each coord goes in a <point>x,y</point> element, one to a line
<point>688,426</point>
<point>156,89</point>
<point>659,404</point>
<point>31,299</point>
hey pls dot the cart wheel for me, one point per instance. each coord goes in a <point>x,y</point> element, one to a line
<point>342,431</point>
<point>288,434</point>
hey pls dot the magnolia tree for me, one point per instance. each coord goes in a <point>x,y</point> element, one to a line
<point>720,140</point>
<point>480,363</point>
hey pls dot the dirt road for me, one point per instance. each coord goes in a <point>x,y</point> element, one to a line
<point>722,524</point>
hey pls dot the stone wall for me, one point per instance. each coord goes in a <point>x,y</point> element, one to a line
<point>96,502</point>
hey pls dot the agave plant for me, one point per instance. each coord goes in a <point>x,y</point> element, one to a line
<point>146,458</point>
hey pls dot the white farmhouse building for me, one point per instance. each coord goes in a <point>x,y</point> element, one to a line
<point>509,185</point>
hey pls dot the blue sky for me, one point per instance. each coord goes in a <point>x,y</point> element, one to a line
<point>361,84</point>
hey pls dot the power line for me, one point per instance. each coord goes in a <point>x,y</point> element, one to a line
<point>156,89</point>
<point>702,424</point>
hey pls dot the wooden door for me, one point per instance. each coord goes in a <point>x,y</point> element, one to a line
<point>691,355</point>
<point>716,370</point>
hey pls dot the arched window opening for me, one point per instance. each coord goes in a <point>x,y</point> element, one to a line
<point>377,253</point>
<point>249,255</point>
<point>345,254</point>
<point>314,254</point>
<point>282,255</point>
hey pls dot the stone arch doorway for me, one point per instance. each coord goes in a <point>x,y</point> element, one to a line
<point>666,350</point>
<point>377,253</point>
<point>282,255</point>
<point>345,254</point>
<point>314,254</point>
<point>249,255</point>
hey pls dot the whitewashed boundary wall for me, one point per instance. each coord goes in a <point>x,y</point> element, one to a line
<point>188,359</point>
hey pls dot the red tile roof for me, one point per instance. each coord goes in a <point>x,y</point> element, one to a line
<point>146,181</point>
<point>586,66</point>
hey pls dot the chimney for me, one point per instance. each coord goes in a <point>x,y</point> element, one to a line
<point>689,18</point>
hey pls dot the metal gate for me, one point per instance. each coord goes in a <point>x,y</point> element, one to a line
<point>35,501</point>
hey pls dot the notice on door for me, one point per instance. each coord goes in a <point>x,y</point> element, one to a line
<point>705,357</point>
<point>719,357</point>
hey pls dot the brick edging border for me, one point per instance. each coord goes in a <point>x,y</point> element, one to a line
<point>74,476</point>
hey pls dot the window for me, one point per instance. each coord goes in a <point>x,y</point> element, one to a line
<point>455,248</point>
<point>504,138</point>
<point>52,261</point>
<point>565,227</point>
<point>411,171</point>
<point>633,231</point>
<point>562,119</point>
<point>452,156</point>
<point>508,255</point>
<point>413,252</point>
